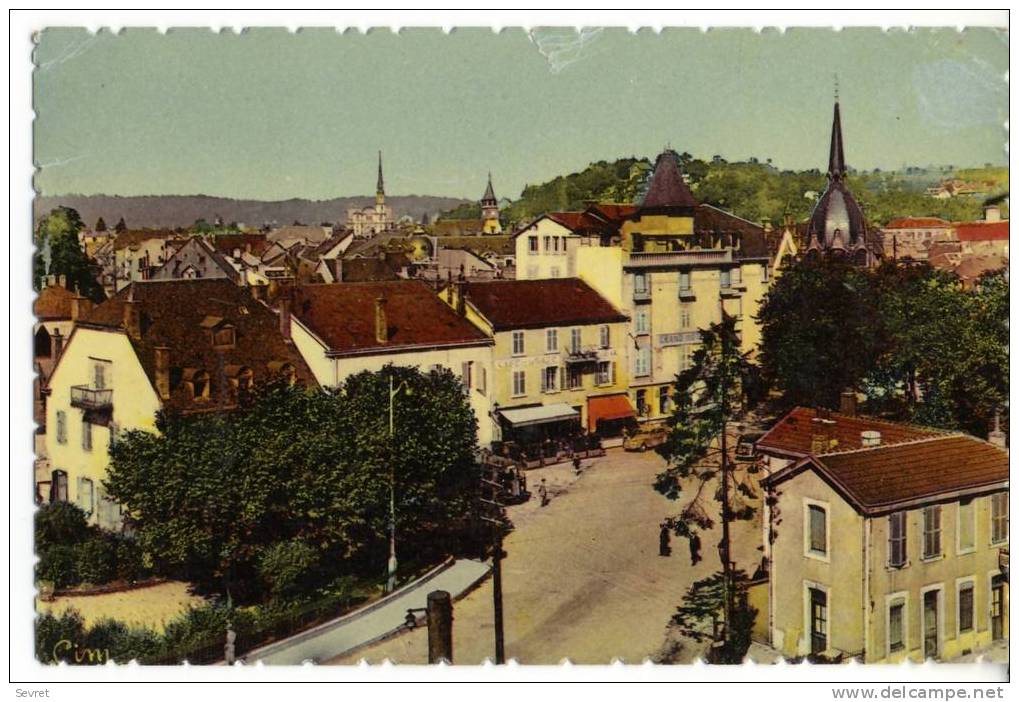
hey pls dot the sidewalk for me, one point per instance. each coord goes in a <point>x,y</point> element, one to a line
<point>372,623</point>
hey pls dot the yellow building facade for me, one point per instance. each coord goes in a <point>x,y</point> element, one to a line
<point>918,577</point>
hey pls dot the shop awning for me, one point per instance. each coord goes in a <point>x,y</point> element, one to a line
<point>539,414</point>
<point>608,407</point>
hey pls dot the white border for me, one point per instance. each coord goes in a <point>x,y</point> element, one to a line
<point>23,667</point>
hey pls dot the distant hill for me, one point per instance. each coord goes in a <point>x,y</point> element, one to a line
<point>172,211</point>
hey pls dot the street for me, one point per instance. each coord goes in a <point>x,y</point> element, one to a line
<point>582,578</point>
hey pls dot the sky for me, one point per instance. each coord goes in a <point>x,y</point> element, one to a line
<point>268,114</point>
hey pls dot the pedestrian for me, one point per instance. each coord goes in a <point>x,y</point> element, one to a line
<point>576,465</point>
<point>664,549</point>
<point>695,549</point>
<point>543,493</point>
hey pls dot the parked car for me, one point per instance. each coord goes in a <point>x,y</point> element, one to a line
<point>645,438</point>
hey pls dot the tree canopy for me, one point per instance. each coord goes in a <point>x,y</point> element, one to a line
<point>913,339</point>
<point>58,252</point>
<point>213,495</point>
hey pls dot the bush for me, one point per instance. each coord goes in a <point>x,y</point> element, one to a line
<point>57,564</point>
<point>130,559</point>
<point>116,640</point>
<point>59,523</point>
<point>52,632</point>
<point>95,560</point>
<point>285,567</point>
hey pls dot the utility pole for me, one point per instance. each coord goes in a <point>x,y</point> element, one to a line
<point>498,524</point>
<point>393,392</point>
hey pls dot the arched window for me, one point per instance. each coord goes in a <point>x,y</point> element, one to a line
<point>197,380</point>
<point>58,486</point>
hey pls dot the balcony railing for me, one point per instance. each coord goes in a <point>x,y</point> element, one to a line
<point>642,295</point>
<point>84,397</point>
<point>679,258</point>
<point>583,354</point>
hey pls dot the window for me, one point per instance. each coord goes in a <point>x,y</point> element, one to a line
<point>86,497</point>
<point>518,343</point>
<point>551,340</point>
<point>896,625</point>
<point>726,278</point>
<point>575,378</point>
<point>641,321</point>
<point>640,282</point>
<point>61,427</point>
<point>932,531</point>
<point>519,383</point>
<point>897,540</point>
<point>100,374</point>
<point>58,486</point>
<point>532,272</point>
<point>735,276</point>
<point>966,530</point>
<point>465,374</point>
<point>224,337</point>
<point>818,620</point>
<point>642,364</point>
<point>555,244</point>
<point>483,381</point>
<point>575,339</point>
<point>549,379</point>
<point>684,316</point>
<point>604,336</point>
<point>532,244</point>
<point>817,526</point>
<point>966,606</point>
<point>764,273</point>
<point>999,517</point>
<point>642,409</point>
<point>548,243</point>
<point>684,280</point>
<point>604,376</point>
<point>664,402</point>
<point>554,272</point>
<point>86,435</point>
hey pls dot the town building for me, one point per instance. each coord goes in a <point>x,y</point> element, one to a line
<point>368,221</point>
<point>490,210</point>
<point>188,346</point>
<point>912,237</point>
<point>837,225</point>
<point>196,259</point>
<point>670,264</point>
<point>344,328</point>
<point>558,363</point>
<point>137,254</point>
<point>883,541</point>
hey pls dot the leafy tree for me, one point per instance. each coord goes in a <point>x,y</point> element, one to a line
<point>58,252</point>
<point>716,390</point>
<point>210,493</point>
<point>698,616</point>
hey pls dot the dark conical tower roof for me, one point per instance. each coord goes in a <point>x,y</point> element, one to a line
<point>489,197</point>
<point>380,187</point>
<point>667,189</point>
<point>837,221</point>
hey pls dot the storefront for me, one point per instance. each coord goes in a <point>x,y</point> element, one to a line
<point>609,416</point>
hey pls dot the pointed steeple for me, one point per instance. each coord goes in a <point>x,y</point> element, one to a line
<point>836,157</point>
<point>667,188</point>
<point>380,188</point>
<point>489,196</point>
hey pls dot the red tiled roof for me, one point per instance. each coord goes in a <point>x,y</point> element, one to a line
<point>255,244</point>
<point>177,314</point>
<point>342,315</point>
<point>890,475</point>
<point>793,435</point>
<point>982,231</point>
<point>522,304</point>
<point>612,211</point>
<point>918,222</point>
<point>54,302</point>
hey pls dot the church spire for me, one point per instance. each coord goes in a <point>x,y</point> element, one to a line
<point>836,157</point>
<point>489,196</point>
<point>380,188</point>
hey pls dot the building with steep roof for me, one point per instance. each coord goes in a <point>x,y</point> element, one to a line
<point>490,210</point>
<point>368,221</point>
<point>344,328</point>
<point>888,550</point>
<point>559,359</point>
<point>837,224</point>
<point>187,346</point>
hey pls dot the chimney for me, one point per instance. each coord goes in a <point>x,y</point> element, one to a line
<point>847,403</point>
<point>996,435</point>
<point>80,306</point>
<point>56,345</point>
<point>163,372</point>
<point>132,315</point>
<point>62,279</point>
<point>992,213</point>
<point>870,438</point>
<point>461,298</point>
<point>818,444</point>
<point>381,323</point>
<point>284,307</point>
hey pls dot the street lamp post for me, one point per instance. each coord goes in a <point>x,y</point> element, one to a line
<point>393,392</point>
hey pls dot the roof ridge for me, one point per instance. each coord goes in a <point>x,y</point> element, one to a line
<point>907,442</point>
<point>890,422</point>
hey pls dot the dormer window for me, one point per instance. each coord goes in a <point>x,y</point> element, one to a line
<point>240,377</point>
<point>197,381</point>
<point>285,370</point>
<point>224,337</point>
